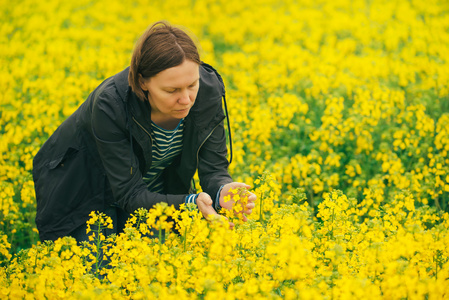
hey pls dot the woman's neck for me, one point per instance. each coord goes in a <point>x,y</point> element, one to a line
<point>164,122</point>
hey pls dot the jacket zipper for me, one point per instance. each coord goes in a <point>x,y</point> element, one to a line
<point>201,145</point>
<point>199,148</point>
<point>143,128</point>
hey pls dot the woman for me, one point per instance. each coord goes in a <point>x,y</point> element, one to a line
<point>138,140</point>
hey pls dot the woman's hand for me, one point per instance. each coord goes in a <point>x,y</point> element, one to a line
<point>225,191</point>
<point>204,203</point>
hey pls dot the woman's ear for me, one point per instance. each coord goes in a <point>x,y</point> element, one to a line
<point>142,83</point>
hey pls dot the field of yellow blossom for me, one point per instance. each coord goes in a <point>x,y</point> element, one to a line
<point>340,120</point>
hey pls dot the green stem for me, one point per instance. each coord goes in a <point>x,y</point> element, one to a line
<point>97,256</point>
<point>160,242</point>
<point>185,238</point>
<point>437,260</point>
<point>160,235</point>
<point>332,222</point>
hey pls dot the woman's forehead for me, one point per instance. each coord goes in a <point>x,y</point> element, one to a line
<point>181,75</point>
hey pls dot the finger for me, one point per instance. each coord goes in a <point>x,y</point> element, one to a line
<point>252,199</point>
<point>207,201</point>
<point>204,200</point>
<point>252,196</point>
<point>209,212</point>
<point>245,185</point>
<point>248,211</point>
<point>250,205</point>
<point>231,225</point>
<point>240,184</point>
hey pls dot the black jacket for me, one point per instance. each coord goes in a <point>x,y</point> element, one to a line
<point>97,156</point>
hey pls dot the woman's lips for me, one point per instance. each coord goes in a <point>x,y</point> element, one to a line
<point>183,110</point>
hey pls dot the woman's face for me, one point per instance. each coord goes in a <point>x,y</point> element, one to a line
<point>173,91</point>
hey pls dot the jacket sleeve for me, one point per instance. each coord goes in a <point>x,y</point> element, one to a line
<point>109,129</point>
<point>212,162</point>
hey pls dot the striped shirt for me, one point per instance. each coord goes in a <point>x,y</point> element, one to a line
<point>167,145</point>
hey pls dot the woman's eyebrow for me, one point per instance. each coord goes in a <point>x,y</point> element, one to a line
<point>195,81</point>
<point>173,87</point>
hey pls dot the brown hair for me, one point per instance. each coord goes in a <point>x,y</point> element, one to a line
<point>160,47</point>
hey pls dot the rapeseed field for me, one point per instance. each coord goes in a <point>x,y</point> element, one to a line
<point>340,121</point>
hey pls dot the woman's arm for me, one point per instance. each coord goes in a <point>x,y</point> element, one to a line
<point>213,163</point>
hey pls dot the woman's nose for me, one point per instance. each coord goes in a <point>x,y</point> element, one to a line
<point>184,98</point>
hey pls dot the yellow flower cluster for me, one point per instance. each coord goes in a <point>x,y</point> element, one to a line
<point>400,253</point>
<point>322,96</point>
<point>239,196</point>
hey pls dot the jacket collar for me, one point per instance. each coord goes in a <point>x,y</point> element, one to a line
<point>141,110</point>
